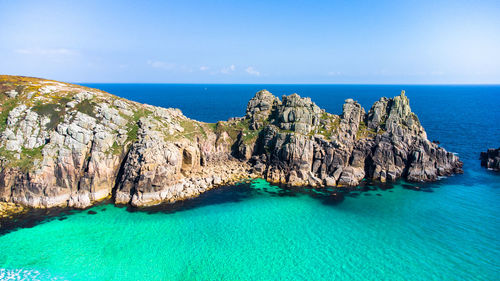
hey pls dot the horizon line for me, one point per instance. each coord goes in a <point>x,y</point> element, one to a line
<point>297,83</point>
<point>280,83</point>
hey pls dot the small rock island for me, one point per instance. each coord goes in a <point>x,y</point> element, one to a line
<point>68,145</point>
<point>491,159</point>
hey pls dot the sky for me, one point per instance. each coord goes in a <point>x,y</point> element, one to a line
<point>353,42</point>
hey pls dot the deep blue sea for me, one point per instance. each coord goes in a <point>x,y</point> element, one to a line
<point>449,230</point>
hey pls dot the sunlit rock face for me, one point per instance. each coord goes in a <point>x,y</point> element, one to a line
<point>68,145</point>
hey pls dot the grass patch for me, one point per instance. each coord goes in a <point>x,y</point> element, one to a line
<point>87,107</point>
<point>233,128</point>
<point>64,100</point>
<point>329,126</point>
<point>142,112</point>
<point>133,126</point>
<point>211,126</point>
<point>250,137</point>
<point>27,158</point>
<point>191,129</point>
<point>55,112</point>
<point>116,148</point>
<point>132,132</point>
<point>364,131</point>
<point>7,106</point>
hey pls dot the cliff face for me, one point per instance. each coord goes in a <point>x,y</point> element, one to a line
<point>68,145</point>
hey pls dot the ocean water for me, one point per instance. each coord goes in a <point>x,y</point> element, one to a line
<point>447,230</point>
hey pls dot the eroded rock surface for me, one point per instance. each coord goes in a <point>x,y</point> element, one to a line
<point>68,145</point>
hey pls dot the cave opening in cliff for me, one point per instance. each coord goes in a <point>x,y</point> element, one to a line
<point>187,159</point>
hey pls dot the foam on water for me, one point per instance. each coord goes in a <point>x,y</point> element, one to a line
<point>23,274</point>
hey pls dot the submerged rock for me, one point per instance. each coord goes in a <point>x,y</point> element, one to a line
<point>491,159</point>
<point>8,210</point>
<point>68,145</point>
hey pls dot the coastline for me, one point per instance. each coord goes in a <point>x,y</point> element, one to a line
<point>66,145</point>
<point>17,216</point>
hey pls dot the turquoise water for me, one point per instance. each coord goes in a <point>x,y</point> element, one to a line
<point>248,233</point>
<point>446,230</point>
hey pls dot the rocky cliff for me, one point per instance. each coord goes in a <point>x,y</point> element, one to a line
<point>491,159</point>
<point>300,144</point>
<point>68,145</point>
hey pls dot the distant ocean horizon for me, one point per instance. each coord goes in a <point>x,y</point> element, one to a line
<point>447,230</point>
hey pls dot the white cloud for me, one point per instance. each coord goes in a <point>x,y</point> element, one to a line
<point>334,73</point>
<point>228,69</point>
<point>204,68</point>
<point>161,64</point>
<point>252,71</point>
<point>437,73</point>
<point>44,52</point>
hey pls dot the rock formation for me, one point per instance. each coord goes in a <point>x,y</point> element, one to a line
<point>68,145</point>
<point>303,145</point>
<point>491,159</point>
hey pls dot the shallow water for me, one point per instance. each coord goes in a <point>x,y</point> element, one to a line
<point>446,230</point>
<point>257,231</point>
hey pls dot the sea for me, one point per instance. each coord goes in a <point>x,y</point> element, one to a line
<point>445,230</point>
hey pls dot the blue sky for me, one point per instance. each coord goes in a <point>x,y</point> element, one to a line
<point>402,42</point>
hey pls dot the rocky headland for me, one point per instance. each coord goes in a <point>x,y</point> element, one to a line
<point>491,159</point>
<point>68,145</point>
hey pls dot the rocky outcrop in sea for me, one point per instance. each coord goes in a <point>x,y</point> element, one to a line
<point>68,145</point>
<point>301,144</point>
<point>491,159</point>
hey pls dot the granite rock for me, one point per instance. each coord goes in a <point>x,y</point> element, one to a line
<point>491,159</point>
<point>68,145</point>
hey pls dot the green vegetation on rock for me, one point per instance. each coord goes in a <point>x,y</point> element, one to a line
<point>233,128</point>
<point>364,131</point>
<point>87,107</point>
<point>55,112</point>
<point>6,107</point>
<point>24,160</point>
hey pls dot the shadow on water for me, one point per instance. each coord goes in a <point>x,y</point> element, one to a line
<point>34,217</point>
<point>222,195</point>
<point>241,192</point>
<point>245,191</point>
